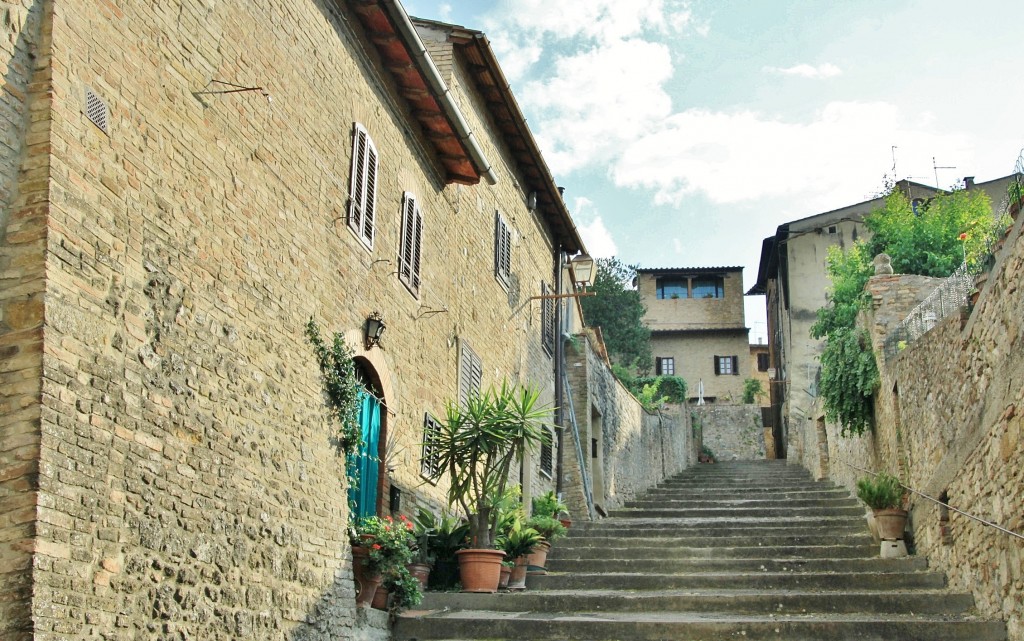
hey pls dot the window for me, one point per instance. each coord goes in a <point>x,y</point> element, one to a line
<point>665,366</point>
<point>411,243</point>
<point>727,365</point>
<point>832,230</point>
<point>429,461</point>
<point>502,250</point>
<point>547,319</point>
<point>547,458</point>
<point>363,186</point>
<point>762,362</point>
<point>470,372</point>
<point>708,287</point>
<point>673,287</point>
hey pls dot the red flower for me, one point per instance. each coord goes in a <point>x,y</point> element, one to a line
<point>408,526</point>
<point>376,546</point>
<point>963,236</point>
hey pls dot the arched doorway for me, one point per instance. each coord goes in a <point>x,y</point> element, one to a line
<point>365,465</point>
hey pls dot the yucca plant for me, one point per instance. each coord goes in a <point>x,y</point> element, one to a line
<point>477,446</point>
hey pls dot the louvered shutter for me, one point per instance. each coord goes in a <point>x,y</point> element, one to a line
<point>370,210</point>
<point>718,365</point>
<point>417,246</point>
<point>358,187</point>
<point>470,372</point>
<point>736,365</point>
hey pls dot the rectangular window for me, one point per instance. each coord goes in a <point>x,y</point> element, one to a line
<point>547,319</point>
<point>665,366</point>
<point>429,462</point>
<point>762,362</point>
<point>411,244</point>
<point>502,250</point>
<point>471,372</point>
<point>673,287</point>
<point>547,458</point>
<point>363,186</point>
<point>727,365</point>
<point>709,287</point>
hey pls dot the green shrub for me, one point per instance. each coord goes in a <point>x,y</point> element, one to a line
<point>883,492</point>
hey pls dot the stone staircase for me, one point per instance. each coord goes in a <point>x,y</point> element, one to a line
<point>740,550</point>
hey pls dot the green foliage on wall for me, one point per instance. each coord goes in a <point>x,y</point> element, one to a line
<point>752,390</point>
<point>849,378</point>
<point>340,385</point>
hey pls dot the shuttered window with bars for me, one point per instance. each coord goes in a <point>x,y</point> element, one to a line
<point>471,372</point>
<point>547,457</point>
<point>411,244</point>
<point>547,319</point>
<point>430,467</point>
<point>502,250</point>
<point>362,206</point>
<point>727,365</point>
<point>665,366</point>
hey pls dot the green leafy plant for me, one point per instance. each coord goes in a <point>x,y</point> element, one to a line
<point>706,455</point>
<point>445,534</point>
<point>548,526</point>
<point>673,388</point>
<point>849,379</point>
<point>649,397</point>
<point>752,390</point>
<point>477,445</point>
<point>403,587</point>
<point>392,545</point>
<point>518,540</point>
<point>340,384</point>
<point>881,492</point>
<point>548,504</point>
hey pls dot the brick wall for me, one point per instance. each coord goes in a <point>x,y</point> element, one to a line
<point>636,449</point>
<point>188,485</point>
<point>24,168</point>
<point>731,432</point>
<point>949,419</point>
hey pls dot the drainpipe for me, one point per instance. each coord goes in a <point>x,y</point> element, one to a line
<point>559,369</point>
<point>440,88</point>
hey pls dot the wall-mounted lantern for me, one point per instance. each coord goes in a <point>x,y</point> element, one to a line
<point>583,270</point>
<point>374,329</point>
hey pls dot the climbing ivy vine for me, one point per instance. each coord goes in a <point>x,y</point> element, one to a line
<point>341,386</point>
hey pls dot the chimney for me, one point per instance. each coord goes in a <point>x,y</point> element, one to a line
<point>968,182</point>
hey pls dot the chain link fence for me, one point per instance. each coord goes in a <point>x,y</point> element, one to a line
<point>947,299</point>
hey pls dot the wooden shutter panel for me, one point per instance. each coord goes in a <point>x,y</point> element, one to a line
<point>657,365</point>
<point>718,367</point>
<point>357,186</point>
<point>369,211</point>
<point>417,246</point>
<point>736,365</point>
<point>470,372</point>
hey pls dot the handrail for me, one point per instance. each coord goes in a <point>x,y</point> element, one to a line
<point>584,475</point>
<point>940,503</point>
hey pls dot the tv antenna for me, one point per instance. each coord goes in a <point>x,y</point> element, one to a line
<point>936,168</point>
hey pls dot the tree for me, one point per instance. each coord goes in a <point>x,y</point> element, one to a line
<point>617,310</point>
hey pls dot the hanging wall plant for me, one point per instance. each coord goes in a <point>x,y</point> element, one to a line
<point>341,386</point>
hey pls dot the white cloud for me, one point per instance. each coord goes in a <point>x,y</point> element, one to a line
<point>444,10</point>
<point>677,245</point>
<point>595,235</point>
<point>826,70</point>
<point>735,157</point>
<point>599,99</point>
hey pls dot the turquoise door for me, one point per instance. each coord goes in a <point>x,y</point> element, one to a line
<point>365,464</point>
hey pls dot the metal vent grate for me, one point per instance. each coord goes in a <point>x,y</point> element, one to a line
<point>97,111</point>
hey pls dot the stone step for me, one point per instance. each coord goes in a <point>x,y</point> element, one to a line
<point>719,494</point>
<point>733,601</point>
<point>610,563</point>
<point>559,553</point>
<point>774,504</point>
<point>685,528</point>
<point>737,581</point>
<point>736,512</point>
<point>659,626</point>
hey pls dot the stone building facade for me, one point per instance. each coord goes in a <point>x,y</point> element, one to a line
<point>948,422</point>
<point>177,186</point>
<point>697,327</point>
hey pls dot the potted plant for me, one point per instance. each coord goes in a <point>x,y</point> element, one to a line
<point>548,504</point>
<point>446,535</point>
<point>389,547</point>
<point>477,445</point>
<point>517,542</point>
<point>550,530</point>
<point>884,494</point>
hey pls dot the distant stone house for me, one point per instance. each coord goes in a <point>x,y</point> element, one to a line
<point>697,325</point>
<point>793,278</point>
<point>185,185</point>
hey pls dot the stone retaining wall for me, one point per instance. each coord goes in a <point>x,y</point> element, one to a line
<point>731,432</point>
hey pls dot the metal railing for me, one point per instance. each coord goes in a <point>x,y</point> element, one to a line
<point>943,504</point>
<point>947,299</point>
<point>584,473</point>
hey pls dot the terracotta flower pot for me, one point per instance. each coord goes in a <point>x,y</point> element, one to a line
<point>891,524</point>
<point>480,569</point>
<point>537,560</point>
<point>380,598</point>
<point>517,579</point>
<point>503,579</point>
<point>422,573</point>
<point>366,583</point>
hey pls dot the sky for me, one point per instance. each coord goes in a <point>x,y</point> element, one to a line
<point>685,132</point>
